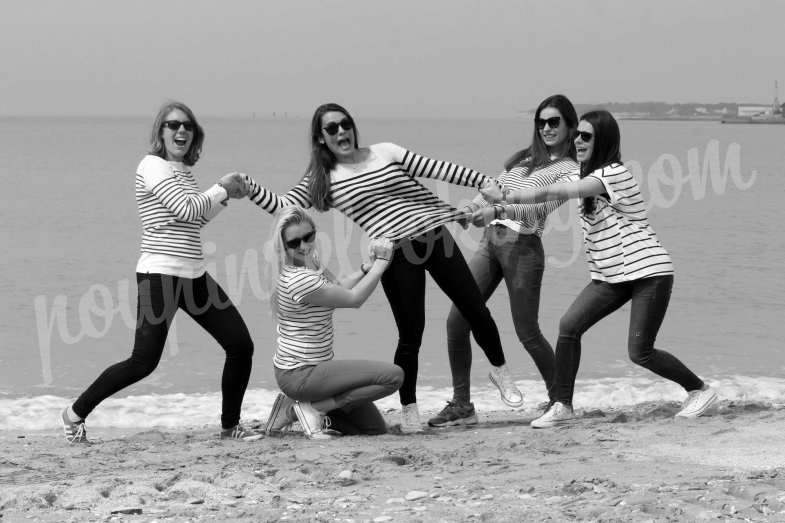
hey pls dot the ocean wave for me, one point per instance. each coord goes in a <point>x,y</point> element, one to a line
<point>178,411</point>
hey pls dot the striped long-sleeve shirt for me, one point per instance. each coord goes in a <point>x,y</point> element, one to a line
<point>620,243</point>
<point>383,196</point>
<point>531,218</point>
<point>305,332</point>
<point>173,211</point>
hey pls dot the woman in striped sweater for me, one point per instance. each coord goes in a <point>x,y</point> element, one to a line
<point>511,250</point>
<point>376,187</point>
<point>338,394</point>
<point>171,273</point>
<point>626,262</point>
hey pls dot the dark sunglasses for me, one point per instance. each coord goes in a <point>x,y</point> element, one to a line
<point>553,123</point>
<point>332,127</point>
<point>295,242</point>
<point>584,136</point>
<point>174,125</point>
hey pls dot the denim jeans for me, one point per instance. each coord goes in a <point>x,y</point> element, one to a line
<point>160,296</point>
<point>404,285</point>
<point>650,297</point>
<point>353,384</point>
<point>519,260</point>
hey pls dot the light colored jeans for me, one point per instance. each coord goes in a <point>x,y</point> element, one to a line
<point>353,384</point>
<point>519,260</point>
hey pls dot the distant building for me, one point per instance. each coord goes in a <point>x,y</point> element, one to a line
<point>754,110</point>
<point>701,110</point>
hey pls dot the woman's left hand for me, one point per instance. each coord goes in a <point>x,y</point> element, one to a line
<point>491,191</point>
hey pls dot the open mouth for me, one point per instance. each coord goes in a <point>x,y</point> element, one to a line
<point>180,141</point>
<point>344,143</point>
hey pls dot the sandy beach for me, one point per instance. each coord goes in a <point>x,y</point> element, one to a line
<point>632,464</point>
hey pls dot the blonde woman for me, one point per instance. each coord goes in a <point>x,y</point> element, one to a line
<point>318,390</point>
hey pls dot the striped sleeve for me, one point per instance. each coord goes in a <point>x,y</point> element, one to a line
<point>303,283</point>
<point>531,214</point>
<point>185,204</point>
<point>271,202</point>
<point>420,166</point>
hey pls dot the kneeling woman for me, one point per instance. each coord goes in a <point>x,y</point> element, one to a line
<point>324,392</point>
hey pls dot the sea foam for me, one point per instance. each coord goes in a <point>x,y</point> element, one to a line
<point>178,411</point>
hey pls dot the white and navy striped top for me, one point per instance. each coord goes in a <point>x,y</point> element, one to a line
<point>172,211</point>
<point>305,332</point>
<point>531,218</point>
<point>383,197</point>
<point>620,243</point>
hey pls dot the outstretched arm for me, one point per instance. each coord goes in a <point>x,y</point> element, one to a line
<point>271,202</point>
<point>583,188</point>
<point>417,165</point>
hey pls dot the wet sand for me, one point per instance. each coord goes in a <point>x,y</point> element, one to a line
<point>632,464</point>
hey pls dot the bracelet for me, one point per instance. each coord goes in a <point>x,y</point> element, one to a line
<point>363,269</point>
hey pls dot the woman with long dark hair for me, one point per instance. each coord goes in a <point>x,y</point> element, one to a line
<point>171,273</point>
<point>377,188</point>
<point>511,250</point>
<point>627,263</point>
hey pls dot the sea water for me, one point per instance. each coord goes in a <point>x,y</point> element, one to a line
<point>71,238</point>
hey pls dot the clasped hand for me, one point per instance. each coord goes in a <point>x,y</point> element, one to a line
<point>236,185</point>
<point>491,191</point>
<point>381,249</point>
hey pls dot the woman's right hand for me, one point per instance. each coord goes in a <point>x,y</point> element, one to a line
<point>235,185</point>
<point>382,251</point>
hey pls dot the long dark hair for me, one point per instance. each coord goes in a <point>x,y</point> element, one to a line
<point>537,153</point>
<point>322,160</point>
<point>157,147</point>
<point>606,150</point>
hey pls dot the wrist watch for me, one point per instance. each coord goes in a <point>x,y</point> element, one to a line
<point>503,211</point>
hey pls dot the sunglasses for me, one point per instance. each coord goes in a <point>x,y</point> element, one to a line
<point>332,127</point>
<point>583,135</point>
<point>294,243</point>
<point>174,125</point>
<point>553,123</point>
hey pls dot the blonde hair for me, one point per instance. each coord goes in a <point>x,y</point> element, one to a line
<point>276,250</point>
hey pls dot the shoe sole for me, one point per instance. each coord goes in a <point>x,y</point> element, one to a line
<point>709,404</point>
<point>498,386</point>
<point>471,420</point>
<point>550,424</point>
<point>279,401</point>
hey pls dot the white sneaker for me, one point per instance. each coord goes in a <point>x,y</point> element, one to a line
<point>312,421</point>
<point>411,419</point>
<point>558,414</point>
<point>697,403</point>
<point>501,377</point>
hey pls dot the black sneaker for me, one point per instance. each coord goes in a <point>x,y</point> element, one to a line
<point>241,433</point>
<point>454,414</point>
<point>74,432</point>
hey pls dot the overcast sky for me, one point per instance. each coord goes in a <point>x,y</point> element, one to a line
<point>385,58</point>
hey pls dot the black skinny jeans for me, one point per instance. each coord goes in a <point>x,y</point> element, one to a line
<point>404,285</point>
<point>160,296</point>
